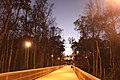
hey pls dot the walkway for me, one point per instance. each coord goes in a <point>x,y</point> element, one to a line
<point>65,73</point>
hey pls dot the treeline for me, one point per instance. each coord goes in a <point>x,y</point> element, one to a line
<point>98,49</point>
<point>28,20</point>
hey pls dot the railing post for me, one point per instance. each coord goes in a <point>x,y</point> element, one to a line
<point>28,74</point>
<point>82,75</point>
<point>7,77</point>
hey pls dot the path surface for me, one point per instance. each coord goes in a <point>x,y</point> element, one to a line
<point>65,73</point>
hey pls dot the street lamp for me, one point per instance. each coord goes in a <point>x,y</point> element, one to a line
<point>58,58</point>
<point>27,45</point>
<point>52,56</point>
<point>86,57</point>
<point>77,52</point>
<point>52,59</point>
<point>58,61</point>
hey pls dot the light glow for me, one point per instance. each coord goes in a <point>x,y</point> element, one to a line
<point>27,44</point>
<point>52,56</point>
<point>117,1</point>
<point>68,51</point>
<point>114,2</point>
<point>77,52</point>
<point>58,58</point>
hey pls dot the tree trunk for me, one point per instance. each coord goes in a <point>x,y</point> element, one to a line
<point>100,62</point>
<point>94,61</point>
<point>7,22</point>
<point>11,52</point>
<point>35,56</point>
<point>42,58</point>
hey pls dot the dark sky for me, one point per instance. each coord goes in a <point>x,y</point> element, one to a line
<point>66,12</point>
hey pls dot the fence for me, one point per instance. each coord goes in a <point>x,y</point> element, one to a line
<point>82,75</point>
<point>28,74</point>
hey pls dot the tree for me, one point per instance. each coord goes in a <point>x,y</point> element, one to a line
<point>27,22</point>
<point>99,25</point>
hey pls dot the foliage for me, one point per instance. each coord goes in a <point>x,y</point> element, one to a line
<point>99,40</point>
<point>28,20</point>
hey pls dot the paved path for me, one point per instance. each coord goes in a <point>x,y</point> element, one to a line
<point>65,73</point>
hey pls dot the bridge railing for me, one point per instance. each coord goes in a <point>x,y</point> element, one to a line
<point>28,74</point>
<point>82,75</point>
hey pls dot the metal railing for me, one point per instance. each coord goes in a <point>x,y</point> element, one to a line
<point>82,75</point>
<point>28,74</point>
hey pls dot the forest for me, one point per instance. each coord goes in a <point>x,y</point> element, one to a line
<point>28,21</point>
<point>98,49</point>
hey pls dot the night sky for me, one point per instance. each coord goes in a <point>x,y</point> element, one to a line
<point>66,12</point>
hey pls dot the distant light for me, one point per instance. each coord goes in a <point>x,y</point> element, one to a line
<point>58,58</point>
<point>68,50</point>
<point>52,56</point>
<point>77,52</point>
<point>27,44</point>
<point>86,57</point>
<point>68,58</point>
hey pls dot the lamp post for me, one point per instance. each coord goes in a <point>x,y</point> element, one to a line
<point>77,52</point>
<point>58,60</point>
<point>52,59</point>
<point>27,45</point>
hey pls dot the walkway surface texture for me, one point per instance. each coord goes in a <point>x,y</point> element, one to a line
<point>65,73</point>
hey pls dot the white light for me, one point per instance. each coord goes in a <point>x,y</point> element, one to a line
<point>27,44</point>
<point>68,50</point>
<point>86,57</point>
<point>58,58</point>
<point>77,52</point>
<point>52,56</point>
